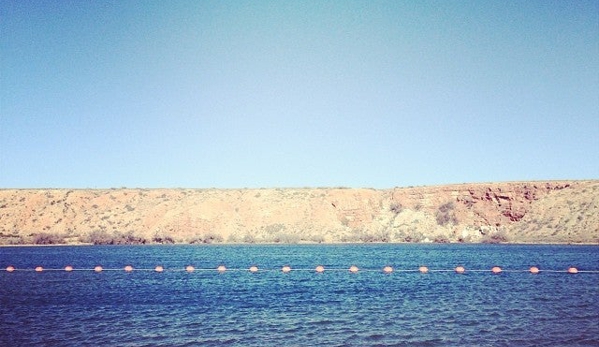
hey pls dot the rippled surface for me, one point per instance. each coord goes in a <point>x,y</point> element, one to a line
<point>301,308</point>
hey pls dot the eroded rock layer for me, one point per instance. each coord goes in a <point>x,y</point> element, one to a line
<point>537,212</point>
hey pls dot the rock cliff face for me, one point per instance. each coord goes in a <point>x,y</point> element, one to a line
<point>537,212</point>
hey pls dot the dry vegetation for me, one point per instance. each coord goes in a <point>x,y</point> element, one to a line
<point>535,212</point>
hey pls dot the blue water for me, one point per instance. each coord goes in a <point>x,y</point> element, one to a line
<point>301,308</point>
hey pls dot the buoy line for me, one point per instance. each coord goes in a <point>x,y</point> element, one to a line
<point>287,269</point>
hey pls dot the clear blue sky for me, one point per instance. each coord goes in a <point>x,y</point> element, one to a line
<point>233,94</point>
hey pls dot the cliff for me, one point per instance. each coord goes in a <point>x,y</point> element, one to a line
<point>535,212</point>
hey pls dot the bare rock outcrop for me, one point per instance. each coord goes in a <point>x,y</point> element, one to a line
<point>537,212</point>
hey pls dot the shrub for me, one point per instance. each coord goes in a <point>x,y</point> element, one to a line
<point>102,237</point>
<point>163,240</point>
<point>273,229</point>
<point>317,238</point>
<point>446,207</point>
<point>233,238</point>
<point>445,214</point>
<point>441,239</point>
<point>11,240</point>
<point>212,237</point>
<point>365,236</point>
<point>249,238</point>
<point>206,238</point>
<point>396,207</point>
<point>128,238</point>
<point>98,237</point>
<point>351,237</point>
<point>48,239</point>
<point>414,236</point>
<point>499,236</point>
<point>288,238</point>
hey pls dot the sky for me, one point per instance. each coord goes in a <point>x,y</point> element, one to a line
<point>264,94</point>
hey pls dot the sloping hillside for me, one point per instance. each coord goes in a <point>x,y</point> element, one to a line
<point>537,212</point>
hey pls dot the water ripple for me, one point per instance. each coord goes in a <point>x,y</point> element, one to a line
<point>300,308</point>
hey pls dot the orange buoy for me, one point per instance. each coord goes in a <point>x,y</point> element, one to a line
<point>496,269</point>
<point>10,268</point>
<point>98,268</point>
<point>460,269</point>
<point>253,268</point>
<point>68,268</point>
<point>387,269</point>
<point>128,268</point>
<point>319,269</point>
<point>423,269</point>
<point>534,270</point>
<point>286,268</point>
<point>572,270</point>
<point>221,268</point>
<point>353,269</point>
<point>39,269</point>
<point>159,268</point>
<point>189,268</point>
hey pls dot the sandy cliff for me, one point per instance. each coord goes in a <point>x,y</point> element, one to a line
<point>538,212</point>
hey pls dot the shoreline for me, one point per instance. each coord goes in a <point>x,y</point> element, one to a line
<point>310,244</point>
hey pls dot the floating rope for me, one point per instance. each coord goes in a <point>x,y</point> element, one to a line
<point>287,269</point>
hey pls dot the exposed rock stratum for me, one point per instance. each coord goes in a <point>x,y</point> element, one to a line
<point>531,212</point>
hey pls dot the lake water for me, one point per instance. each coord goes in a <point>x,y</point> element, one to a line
<point>300,308</point>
